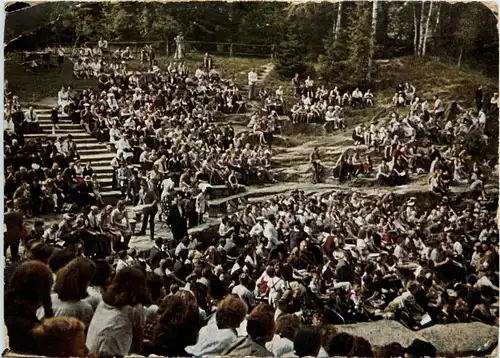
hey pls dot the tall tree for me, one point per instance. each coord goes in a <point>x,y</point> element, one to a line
<point>359,38</point>
<point>372,39</point>
<point>338,24</point>
<point>421,29</point>
<point>424,46</point>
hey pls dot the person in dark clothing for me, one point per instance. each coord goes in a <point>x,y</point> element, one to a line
<point>148,198</point>
<point>177,221</point>
<point>13,227</point>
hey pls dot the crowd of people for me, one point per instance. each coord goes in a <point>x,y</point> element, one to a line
<point>278,275</point>
<point>317,103</point>
<point>274,280</point>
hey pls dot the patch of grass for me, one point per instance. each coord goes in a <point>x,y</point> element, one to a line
<point>31,88</point>
<point>429,75</point>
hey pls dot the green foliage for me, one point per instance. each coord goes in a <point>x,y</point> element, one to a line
<point>290,56</point>
<point>359,40</point>
<point>474,144</point>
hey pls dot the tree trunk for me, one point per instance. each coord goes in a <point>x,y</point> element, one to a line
<point>435,35</point>
<point>338,26</point>
<point>427,29</point>
<point>415,23</point>
<point>372,40</point>
<point>334,22</point>
<point>460,57</point>
<point>421,27</point>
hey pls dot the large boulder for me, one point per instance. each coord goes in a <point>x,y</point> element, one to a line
<point>381,333</point>
<point>462,339</point>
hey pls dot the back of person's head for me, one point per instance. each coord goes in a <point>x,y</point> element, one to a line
<point>60,337</point>
<point>103,272</point>
<point>179,322</point>
<point>74,278</point>
<point>188,296</point>
<point>419,348</point>
<point>127,288</point>
<point>231,311</point>
<point>361,348</point>
<point>60,258</point>
<point>263,307</point>
<point>41,252</point>
<point>155,284</point>
<point>174,289</point>
<point>260,326</point>
<point>287,326</point>
<point>307,341</point>
<point>31,282</point>
<point>340,345</point>
<point>394,349</point>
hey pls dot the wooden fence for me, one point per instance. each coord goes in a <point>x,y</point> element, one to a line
<point>167,48</point>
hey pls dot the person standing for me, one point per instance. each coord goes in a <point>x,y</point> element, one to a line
<point>252,81</point>
<point>201,204</point>
<point>13,227</point>
<point>479,97</point>
<point>148,198</point>
<point>296,84</point>
<point>55,120</point>
<point>177,220</point>
<point>60,57</point>
<point>103,45</point>
<point>207,62</point>
<point>179,50</point>
<point>438,108</point>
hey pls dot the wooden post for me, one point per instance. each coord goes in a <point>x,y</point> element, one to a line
<point>135,50</point>
<point>231,50</point>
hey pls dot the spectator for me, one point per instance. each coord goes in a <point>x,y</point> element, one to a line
<point>118,323</point>
<point>27,290</point>
<point>60,337</point>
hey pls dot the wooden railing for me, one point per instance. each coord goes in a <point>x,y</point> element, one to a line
<point>167,48</point>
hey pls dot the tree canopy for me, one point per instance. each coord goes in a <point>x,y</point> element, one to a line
<point>327,32</point>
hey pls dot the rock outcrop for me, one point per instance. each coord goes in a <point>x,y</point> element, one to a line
<point>461,339</point>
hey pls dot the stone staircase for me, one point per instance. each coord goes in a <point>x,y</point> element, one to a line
<point>90,150</point>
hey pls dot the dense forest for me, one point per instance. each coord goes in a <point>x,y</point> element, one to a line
<point>345,36</point>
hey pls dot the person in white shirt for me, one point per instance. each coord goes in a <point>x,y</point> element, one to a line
<point>252,82</point>
<point>279,92</point>
<point>287,326</point>
<point>271,234</point>
<point>63,99</point>
<point>438,108</point>
<point>481,119</point>
<point>357,97</point>
<point>8,125</point>
<point>309,87</point>
<point>243,292</point>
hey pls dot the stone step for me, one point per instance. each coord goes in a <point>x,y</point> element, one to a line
<point>97,159</point>
<point>105,170</point>
<point>77,137</point>
<point>45,115</point>
<point>64,126</point>
<point>94,151</point>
